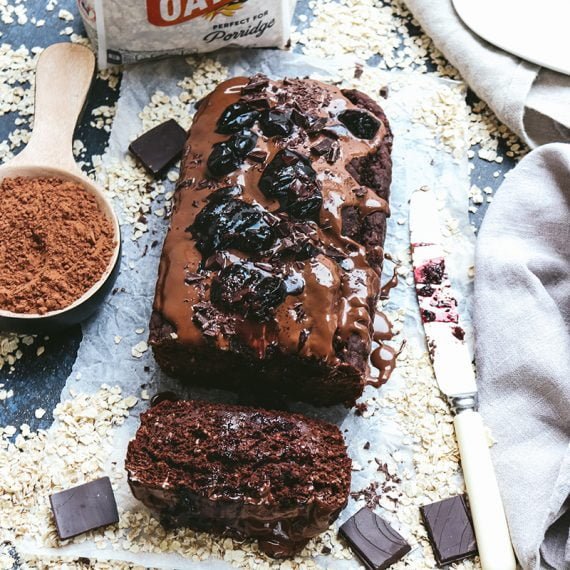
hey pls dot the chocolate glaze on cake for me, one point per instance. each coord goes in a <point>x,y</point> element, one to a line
<point>269,275</point>
<point>277,477</point>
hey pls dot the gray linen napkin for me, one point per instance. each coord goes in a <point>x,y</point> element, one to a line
<point>530,100</point>
<point>522,326</point>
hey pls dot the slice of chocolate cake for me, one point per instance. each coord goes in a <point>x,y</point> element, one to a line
<point>269,275</point>
<point>277,477</point>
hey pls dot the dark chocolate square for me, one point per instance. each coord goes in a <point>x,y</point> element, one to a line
<point>373,540</point>
<point>83,508</point>
<point>160,147</point>
<point>450,530</point>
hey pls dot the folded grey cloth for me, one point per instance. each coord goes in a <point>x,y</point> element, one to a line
<point>522,326</point>
<point>530,100</point>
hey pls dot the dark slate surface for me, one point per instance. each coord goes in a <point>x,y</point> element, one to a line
<point>37,382</point>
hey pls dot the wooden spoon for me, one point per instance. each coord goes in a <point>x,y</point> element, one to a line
<point>63,77</point>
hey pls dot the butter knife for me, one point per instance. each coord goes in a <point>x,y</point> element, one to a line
<point>456,379</point>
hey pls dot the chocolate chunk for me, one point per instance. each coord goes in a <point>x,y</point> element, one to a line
<point>300,119</point>
<point>257,156</point>
<point>373,540</point>
<point>84,508</point>
<point>322,147</point>
<point>261,103</point>
<point>333,154</point>
<point>317,125</point>
<point>160,147</point>
<point>450,530</point>
<point>256,83</point>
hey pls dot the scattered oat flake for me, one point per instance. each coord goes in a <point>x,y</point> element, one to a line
<point>139,349</point>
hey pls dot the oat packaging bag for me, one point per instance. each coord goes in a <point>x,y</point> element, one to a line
<point>127,31</point>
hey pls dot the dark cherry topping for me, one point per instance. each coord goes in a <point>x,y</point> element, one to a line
<point>236,117</point>
<point>223,159</point>
<point>425,290</point>
<point>360,123</point>
<point>251,292</point>
<point>244,142</point>
<point>458,333</point>
<point>432,272</point>
<point>291,179</point>
<point>227,222</point>
<point>228,155</point>
<point>275,123</point>
<point>427,316</point>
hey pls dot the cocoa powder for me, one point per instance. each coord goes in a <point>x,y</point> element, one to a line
<point>55,243</point>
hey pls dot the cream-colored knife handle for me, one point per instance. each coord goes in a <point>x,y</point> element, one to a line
<point>491,531</point>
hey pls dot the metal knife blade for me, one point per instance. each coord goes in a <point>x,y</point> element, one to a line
<point>456,379</point>
<point>438,304</point>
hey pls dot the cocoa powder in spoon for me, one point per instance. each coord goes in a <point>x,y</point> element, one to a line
<point>55,244</point>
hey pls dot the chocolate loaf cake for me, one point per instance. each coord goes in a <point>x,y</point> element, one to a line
<point>242,472</point>
<point>269,275</point>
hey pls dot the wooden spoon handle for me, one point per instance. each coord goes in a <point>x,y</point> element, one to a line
<point>63,77</point>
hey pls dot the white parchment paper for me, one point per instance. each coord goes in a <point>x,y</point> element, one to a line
<point>417,162</point>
